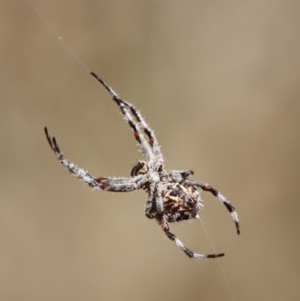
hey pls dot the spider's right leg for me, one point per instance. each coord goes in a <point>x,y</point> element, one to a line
<point>122,106</point>
<point>164,225</point>
<point>108,184</point>
<point>220,197</point>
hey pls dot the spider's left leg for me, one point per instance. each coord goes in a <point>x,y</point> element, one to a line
<point>180,245</point>
<point>122,106</point>
<point>108,184</point>
<point>220,197</point>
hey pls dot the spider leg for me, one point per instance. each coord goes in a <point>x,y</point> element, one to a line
<point>149,205</point>
<point>180,245</point>
<point>150,134</point>
<point>220,197</point>
<point>119,184</point>
<point>180,175</point>
<point>156,190</point>
<point>154,201</point>
<point>108,184</point>
<point>158,159</point>
<point>122,104</point>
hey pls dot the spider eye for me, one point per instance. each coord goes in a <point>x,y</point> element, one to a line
<point>139,169</point>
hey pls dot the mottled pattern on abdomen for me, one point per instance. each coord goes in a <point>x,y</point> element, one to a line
<point>182,202</point>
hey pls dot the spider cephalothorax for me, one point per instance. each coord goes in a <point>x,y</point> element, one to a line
<point>172,195</point>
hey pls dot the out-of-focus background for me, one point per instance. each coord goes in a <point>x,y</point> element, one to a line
<point>219,83</point>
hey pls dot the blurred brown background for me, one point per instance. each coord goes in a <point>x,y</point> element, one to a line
<point>219,83</point>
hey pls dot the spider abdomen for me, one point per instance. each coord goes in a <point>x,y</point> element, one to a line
<point>182,202</point>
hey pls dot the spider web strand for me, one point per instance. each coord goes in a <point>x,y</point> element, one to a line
<point>219,262</point>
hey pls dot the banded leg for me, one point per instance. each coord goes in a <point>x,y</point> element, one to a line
<point>180,176</point>
<point>150,134</point>
<point>180,245</point>
<point>121,104</point>
<point>158,160</point>
<point>118,184</point>
<point>149,205</point>
<point>154,201</point>
<point>108,184</point>
<point>220,197</point>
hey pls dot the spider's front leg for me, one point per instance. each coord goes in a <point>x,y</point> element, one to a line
<point>165,227</point>
<point>151,149</point>
<point>108,184</point>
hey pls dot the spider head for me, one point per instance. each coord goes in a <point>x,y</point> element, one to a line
<point>140,168</point>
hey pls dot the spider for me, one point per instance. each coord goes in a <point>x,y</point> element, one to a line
<point>172,195</point>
